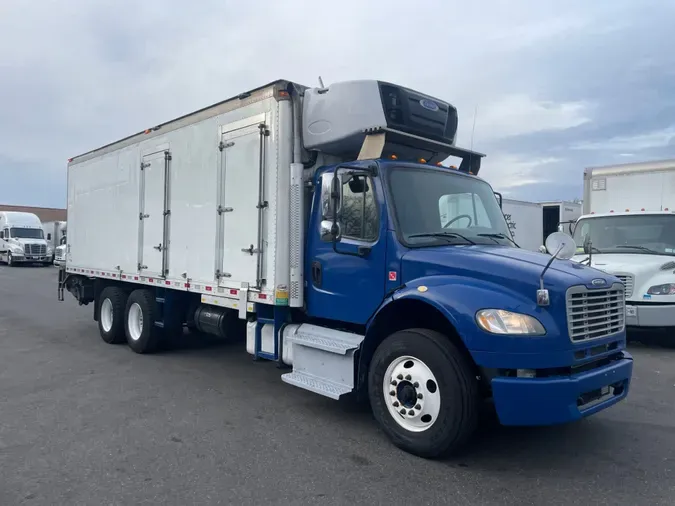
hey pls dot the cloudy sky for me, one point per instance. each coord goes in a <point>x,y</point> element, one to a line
<point>557,86</point>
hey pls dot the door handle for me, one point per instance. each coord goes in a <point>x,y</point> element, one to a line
<point>158,247</point>
<point>316,273</point>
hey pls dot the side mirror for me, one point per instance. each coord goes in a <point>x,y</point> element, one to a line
<point>499,199</point>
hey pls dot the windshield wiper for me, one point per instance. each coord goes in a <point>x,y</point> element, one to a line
<point>642,248</point>
<point>500,236</point>
<point>444,235</point>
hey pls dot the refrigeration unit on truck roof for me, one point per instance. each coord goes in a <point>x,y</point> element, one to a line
<point>311,220</point>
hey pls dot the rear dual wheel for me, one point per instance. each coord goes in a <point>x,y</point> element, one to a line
<point>423,393</point>
<point>142,334</point>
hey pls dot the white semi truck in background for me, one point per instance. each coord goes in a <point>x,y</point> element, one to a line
<point>54,232</point>
<point>628,229</point>
<point>22,239</point>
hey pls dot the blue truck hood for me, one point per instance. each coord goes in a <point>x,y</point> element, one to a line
<point>516,268</point>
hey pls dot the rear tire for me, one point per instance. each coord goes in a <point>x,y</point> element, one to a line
<point>142,334</point>
<point>111,309</point>
<point>424,374</point>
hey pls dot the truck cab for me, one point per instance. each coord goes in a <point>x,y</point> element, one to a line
<point>22,239</point>
<point>639,248</point>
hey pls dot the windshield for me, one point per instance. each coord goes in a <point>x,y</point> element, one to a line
<point>639,234</point>
<point>26,233</point>
<point>434,206</point>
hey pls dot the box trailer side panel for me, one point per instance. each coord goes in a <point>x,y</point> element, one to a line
<point>649,186</point>
<point>525,222</point>
<point>188,206</point>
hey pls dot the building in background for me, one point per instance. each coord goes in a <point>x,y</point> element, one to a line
<point>44,213</point>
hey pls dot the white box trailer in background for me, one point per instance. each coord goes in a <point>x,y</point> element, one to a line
<point>560,215</point>
<point>628,229</point>
<point>525,221</point>
<point>54,232</point>
<point>648,186</point>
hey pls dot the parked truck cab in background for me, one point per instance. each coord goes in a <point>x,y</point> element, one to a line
<point>628,230</point>
<point>22,239</point>
<point>322,223</point>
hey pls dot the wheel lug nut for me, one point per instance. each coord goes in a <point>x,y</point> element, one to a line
<point>400,376</point>
<point>403,411</point>
<point>411,412</point>
<point>419,396</point>
<point>408,377</point>
<point>396,404</point>
<point>416,385</point>
<point>392,392</point>
<point>418,407</point>
<point>394,383</point>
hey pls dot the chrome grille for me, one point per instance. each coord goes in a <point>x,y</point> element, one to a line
<point>627,280</point>
<point>35,249</point>
<point>593,314</point>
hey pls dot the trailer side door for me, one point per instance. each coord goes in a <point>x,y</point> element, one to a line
<point>241,201</point>
<point>154,214</point>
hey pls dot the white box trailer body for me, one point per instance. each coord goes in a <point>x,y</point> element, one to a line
<point>193,205</point>
<point>559,215</point>
<point>54,231</point>
<point>633,187</point>
<point>525,220</point>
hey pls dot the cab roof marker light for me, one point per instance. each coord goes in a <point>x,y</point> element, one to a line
<point>394,157</point>
<point>422,160</point>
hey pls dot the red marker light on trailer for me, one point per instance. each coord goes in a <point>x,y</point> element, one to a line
<point>394,157</point>
<point>642,209</point>
<point>422,160</point>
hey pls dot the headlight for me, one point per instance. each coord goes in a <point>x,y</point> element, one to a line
<point>665,289</point>
<point>499,321</point>
<point>17,250</point>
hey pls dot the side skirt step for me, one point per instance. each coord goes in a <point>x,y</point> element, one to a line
<point>323,360</point>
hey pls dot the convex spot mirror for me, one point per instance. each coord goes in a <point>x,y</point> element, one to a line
<point>561,245</point>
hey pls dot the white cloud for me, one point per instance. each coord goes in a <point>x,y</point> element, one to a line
<point>656,139</point>
<point>516,115</point>
<point>508,171</point>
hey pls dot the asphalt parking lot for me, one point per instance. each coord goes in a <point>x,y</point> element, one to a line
<point>83,422</point>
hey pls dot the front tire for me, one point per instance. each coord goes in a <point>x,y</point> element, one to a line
<point>142,334</point>
<point>423,392</point>
<point>112,304</point>
<point>10,260</point>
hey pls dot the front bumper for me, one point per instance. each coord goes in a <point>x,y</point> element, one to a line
<point>561,399</point>
<point>30,258</point>
<point>650,315</point>
<point>60,261</point>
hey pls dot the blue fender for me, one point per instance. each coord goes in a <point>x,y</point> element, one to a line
<point>459,298</point>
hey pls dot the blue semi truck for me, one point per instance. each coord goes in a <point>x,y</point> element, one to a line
<point>322,227</point>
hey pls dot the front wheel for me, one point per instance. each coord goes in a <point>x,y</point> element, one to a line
<point>423,393</point>
<point>10,260</point>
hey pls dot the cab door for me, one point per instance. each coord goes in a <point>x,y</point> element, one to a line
<point>346,280</point>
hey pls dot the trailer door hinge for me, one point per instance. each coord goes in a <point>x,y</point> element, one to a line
<point>250,250</point>
<point>158,247</point>
<point>144,165</point>
<point>142,216</point>
<point>222,145</point>
<point>262,205</point>
<point>222,209</point>
<point>141,267</point>
<point>167,212</point>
